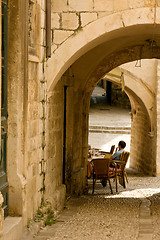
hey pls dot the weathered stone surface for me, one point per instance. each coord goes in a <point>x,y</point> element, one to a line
<point>87,18</point>
<point>55,20</point>
<point>70,21</point>
<point>59,6</point>
<point>139,3</point>
<point>120,5</point>
<point>80,5</point>
<point>102,31</point>
<point>141,15</point>
<point>103,5</point>
<point>61,35</point>
<point>1,217</point>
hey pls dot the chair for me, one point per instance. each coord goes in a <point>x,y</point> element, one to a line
<point>89,169</point>
<point>101,170</point>
<point>120,170</point>
<point>111,150</point>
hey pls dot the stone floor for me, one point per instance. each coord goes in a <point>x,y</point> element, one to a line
<point>132,213</point>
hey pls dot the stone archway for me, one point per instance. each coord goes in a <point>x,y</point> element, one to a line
<point>127,28</point>
<point>80,68</point>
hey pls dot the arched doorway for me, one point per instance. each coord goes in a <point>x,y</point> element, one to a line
<point>87,66</point>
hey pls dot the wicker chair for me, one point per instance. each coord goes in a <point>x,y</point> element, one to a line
<point>120,168</point>
<point>101,170</point>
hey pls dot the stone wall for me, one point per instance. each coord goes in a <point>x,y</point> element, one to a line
<point>54,187</point>
<point>36,116</point>
<point>158,119</point>
<point>1,217</point>
<point>71,171</point>
<point>143,148</point>
<point>70,16</point>
<point>26,99</point>
<point>35,102</point>
<point>119,98</point>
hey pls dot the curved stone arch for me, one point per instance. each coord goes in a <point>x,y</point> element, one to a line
<point>102,30</point>
<point>141,90</point>
<point>114,60</point>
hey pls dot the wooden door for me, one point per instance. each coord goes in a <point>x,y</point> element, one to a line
<point>3,160</point>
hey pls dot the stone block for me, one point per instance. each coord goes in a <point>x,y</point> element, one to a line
<point>115,22</point>
<point>61,35</point>
<point>32,69</point>
<point>42,37</point>
<point>120,5</point>
<point>75,5</point>
<point>1,216</point>
<point>59,6</point>
<point>41,111</point>
<point>55,20</point>
<point>87,18</point>
<point>33,110</point>
<point>42,93</point>
<point>70,21</point>
<point>41,73</point>
<point>33,128</point>
<point>103,14</point>
<point>158,17</point>
<point>33,143</point>
<point>42,53</point>
<point>33,91</point>
<point>43,5</point>
<point>43,19</point>
<point>140,3</point>
<point>141,15</point>
<point>32,156</point>
<point>51,151</point>
<point>103,5</point>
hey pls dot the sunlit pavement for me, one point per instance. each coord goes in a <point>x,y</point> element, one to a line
<point>132,213</point>
<point>113,118</point>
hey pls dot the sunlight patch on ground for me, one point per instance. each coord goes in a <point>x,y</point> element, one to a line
<point>136,193</point>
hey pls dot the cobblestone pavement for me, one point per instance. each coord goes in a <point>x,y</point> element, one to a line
<point>132,213</point>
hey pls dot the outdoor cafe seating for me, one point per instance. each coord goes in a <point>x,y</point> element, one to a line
<point>98,167</point>
<point>101,170</point>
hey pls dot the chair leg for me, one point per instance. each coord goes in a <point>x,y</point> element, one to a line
<point>93,185</point>
<point>124,185</point>
<point>110,186</point>
<point>126,176</point>
<point>116,184</point>
<point>94,181</point>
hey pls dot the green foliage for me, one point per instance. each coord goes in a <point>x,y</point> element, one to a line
<point>29,222</point>
<point>39,216</point>
<point>50,217</point>
<point>45,214</point>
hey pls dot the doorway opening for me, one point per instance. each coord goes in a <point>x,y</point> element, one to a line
<point>109,116</point>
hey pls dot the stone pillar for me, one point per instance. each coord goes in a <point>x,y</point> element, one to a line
<point>69,133</point>
<point>85,132</point>
<point>1,217</point>
<point>158,120</point>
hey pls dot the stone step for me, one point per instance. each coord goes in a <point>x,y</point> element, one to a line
<point>110,129</point>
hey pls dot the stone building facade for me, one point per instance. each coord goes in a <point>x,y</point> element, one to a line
<point>57,52</point>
